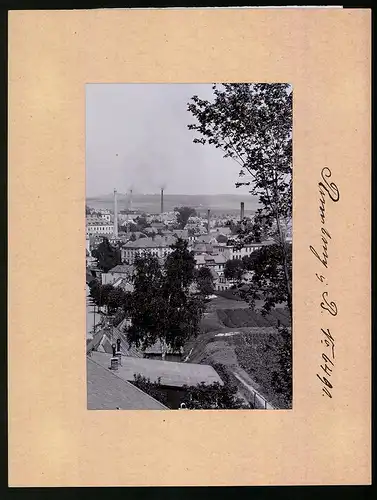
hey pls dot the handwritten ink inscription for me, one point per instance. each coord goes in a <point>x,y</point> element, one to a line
<point>328,192</point>
<point>328,362</point>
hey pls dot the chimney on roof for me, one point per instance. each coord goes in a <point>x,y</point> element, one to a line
<point>115,361</point>
<point>118,353</point>
<point>162,200</point>
<point>115,214</point>
<point>242,210</point>
<point>208,220</point>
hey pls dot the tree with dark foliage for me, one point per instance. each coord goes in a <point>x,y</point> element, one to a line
<point>100,293</point>
<point>221,238</point>
<point>163,308</point>
<point>184,213</point>
<point>96,293</point>
<point>106,255</point>
<point>183,309</point>
<point>153,389</point>
<point>205,281</point>
<point>115,299</point>
<point>268,281</point>
<point>233,269</point>
<point>141,223</point>
<point>215,396</point>
<point>252,124</point>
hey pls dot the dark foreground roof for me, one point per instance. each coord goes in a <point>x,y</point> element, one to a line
<point>171,373</point>
<point>107,391</point>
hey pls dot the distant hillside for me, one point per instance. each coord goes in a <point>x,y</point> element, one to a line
<point>218,203</point>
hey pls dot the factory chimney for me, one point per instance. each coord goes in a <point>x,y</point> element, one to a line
<point>162,201</point>
<point>242,210</point>
<point>130,203</point>
<point>115,214</point>
<point>208,220</point>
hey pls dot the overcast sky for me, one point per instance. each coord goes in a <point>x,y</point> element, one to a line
<point>137,137</point>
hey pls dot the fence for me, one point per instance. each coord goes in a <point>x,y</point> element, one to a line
<point>259,402</point>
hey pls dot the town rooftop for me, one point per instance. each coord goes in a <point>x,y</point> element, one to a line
<point>171,373</point>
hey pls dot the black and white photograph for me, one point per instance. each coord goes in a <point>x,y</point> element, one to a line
<point>189,246</point>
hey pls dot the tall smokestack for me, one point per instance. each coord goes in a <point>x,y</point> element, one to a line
<point>208,220</point>
<point>130,203</point>
<point>242,210</point>
<point>162,200</point>
<point>115,214</point>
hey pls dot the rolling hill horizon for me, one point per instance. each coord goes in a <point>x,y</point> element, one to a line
<point>151,202</point>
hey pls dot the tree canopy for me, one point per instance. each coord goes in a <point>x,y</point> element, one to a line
<point>116,300</point>
<point>252,124</point>
<point>139,225</point>
<point>213,397</point>
<point>267,280</point>
<point>205,281</point>
<point>106,255</point>
<point>163,306</point>
<point>221,238</point>
<point>233,269</point>
<point>184,213</point>
<point>100,293</point>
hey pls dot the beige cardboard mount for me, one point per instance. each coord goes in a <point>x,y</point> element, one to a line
<point>53,439</point>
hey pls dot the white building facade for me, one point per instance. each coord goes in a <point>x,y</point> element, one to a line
<point>158,247</point>
<point>99,227</point>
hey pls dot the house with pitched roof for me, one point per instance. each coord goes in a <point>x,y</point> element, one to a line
<point>172,377</point>
<point>119,275</point>
<point>109,335</point>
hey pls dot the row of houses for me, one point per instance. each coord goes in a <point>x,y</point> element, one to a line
<point>207,253</point>
<point>101,222</point>
<point>160,247</point>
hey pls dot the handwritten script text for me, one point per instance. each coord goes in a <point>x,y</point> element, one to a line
<point>328,192</point>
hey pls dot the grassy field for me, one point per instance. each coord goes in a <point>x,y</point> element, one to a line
<point>236,318</point>
<point>239,337</point>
